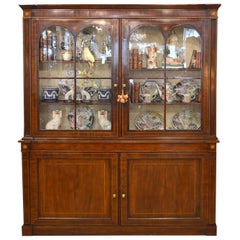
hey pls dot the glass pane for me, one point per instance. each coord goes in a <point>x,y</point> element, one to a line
<point>94,90</point>
<point>183,99</point>
<point>56,47</point>
<point>56,117</point>
<point>144,118</point>
<point>94,52</point>
<point>94,79</point>
<point>75,79</point>
<point>146,79</point>
<point>183,48</point>
<point>56,78</point>
<point>56,69</point>
<point>183,87</point>
<point>94,117</point>
<point>146,48</point>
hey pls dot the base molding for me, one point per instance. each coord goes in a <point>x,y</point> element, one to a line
<point>27,230</point>
<point>118,230</point>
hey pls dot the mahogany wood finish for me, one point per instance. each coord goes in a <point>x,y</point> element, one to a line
<point>119,181</point>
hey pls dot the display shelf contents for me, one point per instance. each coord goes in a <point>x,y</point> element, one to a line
<point>84,118</point>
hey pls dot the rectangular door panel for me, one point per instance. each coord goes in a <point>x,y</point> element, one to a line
<point>77,188</point>
<point>162,188</point>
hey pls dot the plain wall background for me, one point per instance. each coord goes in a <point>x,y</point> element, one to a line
<point>11,121</point>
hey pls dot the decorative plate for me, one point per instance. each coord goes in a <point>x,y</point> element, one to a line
<point>187,120</point>
<point>149,121</point>
<point>187,87</point>
<point>85,118</point>
<point>152,88</point>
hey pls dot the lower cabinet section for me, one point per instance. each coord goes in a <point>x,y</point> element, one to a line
<point>119,193</point>
<point>74,187</point>
<point>162,188</point>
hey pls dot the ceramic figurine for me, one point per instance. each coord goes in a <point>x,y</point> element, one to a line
<point>69,95</point>
<point>55,123</point>
<point>174,54</point>
<point>71,120</point>
<point>151,57</point>
<point>103,121</point>
<point>88,56</point>
<point>172,46</point>
<point>95,49</point>
<point>85,95</point>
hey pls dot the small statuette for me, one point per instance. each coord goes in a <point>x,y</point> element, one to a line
<point>85,95</point>
<point>152,57</point>
<point>71,121</point>
<point>69,96</point>
<point>88,56</point>
<point>103,121</point>
<point>55,123</point>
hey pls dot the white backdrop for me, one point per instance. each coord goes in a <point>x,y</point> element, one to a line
<point>11,120</point>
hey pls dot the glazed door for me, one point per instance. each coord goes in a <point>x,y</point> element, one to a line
<point>165,77</point>
<point>74,188</point>
<point>164,188</point>
<point>76,69</point>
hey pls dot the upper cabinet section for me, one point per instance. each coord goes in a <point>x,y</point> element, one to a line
<point>141,70</point>
<point>164,74</point>
<point>76,77</point>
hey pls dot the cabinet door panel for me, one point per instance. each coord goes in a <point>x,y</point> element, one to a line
<point>75,69</point>
<point>163,188</point>
<point>76,188</point>
<point>165,77</point>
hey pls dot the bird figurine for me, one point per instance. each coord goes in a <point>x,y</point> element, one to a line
<point>88,56</point>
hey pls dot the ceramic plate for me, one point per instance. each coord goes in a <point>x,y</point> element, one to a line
<point>187,120</point>
<point>149,121</point>
<point>152,88</point>
<point>85,118</point>
<point>186,87</point>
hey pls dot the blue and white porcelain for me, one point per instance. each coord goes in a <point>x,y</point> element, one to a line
<point>104,94</point>
<point>50,94</point>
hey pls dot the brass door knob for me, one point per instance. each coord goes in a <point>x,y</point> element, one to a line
<point>123,195</point>
<point>114,195</point>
